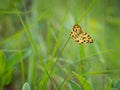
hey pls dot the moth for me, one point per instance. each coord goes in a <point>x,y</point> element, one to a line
<point>79,35</point>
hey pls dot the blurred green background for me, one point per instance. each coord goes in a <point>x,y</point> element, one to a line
<point>36,52</point>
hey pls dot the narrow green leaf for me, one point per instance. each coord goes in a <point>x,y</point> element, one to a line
<point>15,58</point>
<point>26,86</point>
<point>2,63</point>
<point>8,76</point>
<point>74,86</point>
<point>85,85</point>
<point>43,83</point>
<point>118,85</point>
<point>31,69</point>
<point>114,89</point>
<point>109,82</point>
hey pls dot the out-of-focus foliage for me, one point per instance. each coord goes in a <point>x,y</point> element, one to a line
<point>35,46</point>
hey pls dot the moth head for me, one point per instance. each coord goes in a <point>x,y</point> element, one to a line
<point>76,28</point>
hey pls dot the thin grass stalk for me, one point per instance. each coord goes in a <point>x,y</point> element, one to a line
<point>59,55</point>
<point>86,12</point>
<point>22,67</point>
<point>33,45</point>
<point>58,41</point>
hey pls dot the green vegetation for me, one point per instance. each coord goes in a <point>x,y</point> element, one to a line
<point>37,53</point>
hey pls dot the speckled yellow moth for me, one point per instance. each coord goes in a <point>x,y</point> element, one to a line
<point>80,36</point>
